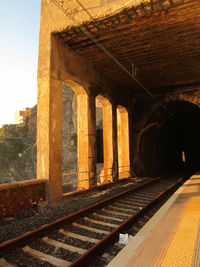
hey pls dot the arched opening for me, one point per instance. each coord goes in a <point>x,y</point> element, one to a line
<point>179,143</point>
<point>69,140</point>
<point>99,141</point>
<point>123,142</point>
<point>78,138</point>
<point>104,128</point>
<point>173,145</point>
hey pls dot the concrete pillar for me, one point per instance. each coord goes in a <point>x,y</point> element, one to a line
<point>86,131</point>
<point>123,142</point>
<point>51,76</point>
<point>108,141</point>
<point>115,149</point>
<point>131,140</point>
<point>49,135</point>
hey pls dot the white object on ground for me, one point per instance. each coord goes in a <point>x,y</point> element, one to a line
<point>124,238</point>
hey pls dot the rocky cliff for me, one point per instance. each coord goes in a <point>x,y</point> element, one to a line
<point>18,150</point>
<point>18,144</point>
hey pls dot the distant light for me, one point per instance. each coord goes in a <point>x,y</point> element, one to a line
<point>183,156</point>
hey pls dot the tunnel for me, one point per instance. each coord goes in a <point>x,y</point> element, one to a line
<point>172,146</point>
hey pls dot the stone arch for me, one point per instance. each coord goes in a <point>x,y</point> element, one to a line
<point>123,142</point>
<point>86,135</point>
<point>161,142</point>
<point>76,87</point>
<point>107,139</point>
<point>192,98</point>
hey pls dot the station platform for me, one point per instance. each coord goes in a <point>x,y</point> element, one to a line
<point>172,237</point>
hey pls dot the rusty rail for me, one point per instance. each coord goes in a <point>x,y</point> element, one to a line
<point>93,251</point>
<point>22,240</point>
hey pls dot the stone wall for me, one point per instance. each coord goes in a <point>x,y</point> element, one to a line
<point>148,118</point>
<point>18,195</point>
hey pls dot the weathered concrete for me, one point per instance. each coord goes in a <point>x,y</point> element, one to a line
<point>107,139</point>
<point>67,56</point>
<point>115,175</point>
<point>123,142</point>
<point>59,65</point>
<point>86,141</point>
<point>18,195</point>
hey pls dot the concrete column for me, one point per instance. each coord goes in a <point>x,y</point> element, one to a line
<point>131,141</point>
<point>86,130</point>
<point>123,142</point>
<point>115,150</point>
<point>108,141</point>
<point>49,135</point>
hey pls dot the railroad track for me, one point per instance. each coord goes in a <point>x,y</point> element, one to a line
<point>76,239</point>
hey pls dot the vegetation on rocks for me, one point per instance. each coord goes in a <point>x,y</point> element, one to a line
<point>18,145</point>
<point>18,150</point>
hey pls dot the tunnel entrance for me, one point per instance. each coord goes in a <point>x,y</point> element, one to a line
<point>173,147</point>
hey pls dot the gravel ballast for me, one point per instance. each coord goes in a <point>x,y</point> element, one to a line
<point>46,212</point>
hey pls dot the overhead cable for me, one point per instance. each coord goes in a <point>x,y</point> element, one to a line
<point>88,34</point>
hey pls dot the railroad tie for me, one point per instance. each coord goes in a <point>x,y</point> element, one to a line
<point>115,212</point>
<point>91,229</point>
<point>125,203</point>
<point>113,225</point>
<point>63,245</point>
<point>45,257</point>
<point>120,208</point>
<point>78,236</point>
<point>107,217</point>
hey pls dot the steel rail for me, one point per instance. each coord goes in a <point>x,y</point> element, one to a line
<point>27,237</point>
<point>87,257</point>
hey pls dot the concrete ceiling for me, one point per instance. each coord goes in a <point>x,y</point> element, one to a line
<point>161,38</point>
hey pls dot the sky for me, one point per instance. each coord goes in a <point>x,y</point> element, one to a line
<point>19,40</point>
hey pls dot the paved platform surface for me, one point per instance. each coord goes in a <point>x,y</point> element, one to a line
<point>172,237</point>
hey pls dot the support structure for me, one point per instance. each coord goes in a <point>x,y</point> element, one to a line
<point>115,145</point>
<point>58,66</point>
<point>150,116</point>
<point>123,142</point>
<point>86,141</point>
<point>49,136</point>
<point>107,139</point>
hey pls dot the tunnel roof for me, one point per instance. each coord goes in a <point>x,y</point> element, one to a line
<point>160,38</point>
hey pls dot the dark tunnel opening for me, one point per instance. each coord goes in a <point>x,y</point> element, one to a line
<point>178,146</point>
<point>173,148</point>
